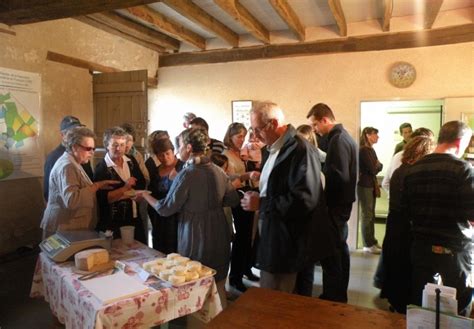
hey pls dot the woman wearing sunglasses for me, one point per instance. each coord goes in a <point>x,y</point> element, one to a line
<point>71,201</point>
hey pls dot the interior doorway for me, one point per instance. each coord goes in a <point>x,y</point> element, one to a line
<point>387,116</point>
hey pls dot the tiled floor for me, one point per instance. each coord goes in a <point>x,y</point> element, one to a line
<point>18,311</point>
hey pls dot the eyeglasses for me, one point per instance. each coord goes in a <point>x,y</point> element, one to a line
<point>258,130</point>
<point>86,148</point>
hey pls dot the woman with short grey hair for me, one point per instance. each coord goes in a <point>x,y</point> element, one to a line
<point>71,202</point>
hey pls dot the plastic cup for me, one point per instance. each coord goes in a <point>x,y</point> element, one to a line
<point>127,233</point>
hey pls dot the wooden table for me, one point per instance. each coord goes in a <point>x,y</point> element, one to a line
<point>264,308</point>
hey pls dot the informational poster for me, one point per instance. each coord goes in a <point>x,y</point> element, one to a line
<point>241,112</point>
<point>20,153</point>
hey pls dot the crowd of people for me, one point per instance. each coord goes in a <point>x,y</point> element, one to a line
<point>280,202</point>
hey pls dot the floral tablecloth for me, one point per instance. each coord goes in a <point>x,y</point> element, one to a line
<point>78,308</point>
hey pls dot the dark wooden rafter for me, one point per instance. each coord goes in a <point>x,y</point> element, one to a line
<point>94,22</point>
<point>239,13</point>
<point>91,66</point>
<point>194,13</point>
<point>432,8</point>
<point>289,16</point>
<point>384,41</point>
<point>136,30</point>
<point>7,31</point>
<point>168,26</point>
<point>387,14</point>
<point>13,12</point>
<point>338,13</point>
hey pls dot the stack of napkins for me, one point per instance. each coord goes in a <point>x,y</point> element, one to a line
<point>111,288</point>
<point>448,303</point>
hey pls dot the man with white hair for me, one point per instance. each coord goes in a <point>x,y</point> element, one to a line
<point>438,200</point>
<point>294,227</point>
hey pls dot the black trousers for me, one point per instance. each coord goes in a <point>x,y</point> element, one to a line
<point>242,253</point>
<point>337,266</point>
<point>454,269</point>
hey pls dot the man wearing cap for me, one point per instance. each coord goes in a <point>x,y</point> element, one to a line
<point>67,123</point>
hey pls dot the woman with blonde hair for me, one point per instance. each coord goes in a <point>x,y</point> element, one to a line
<point>241,260</point>
<point>395,267</point>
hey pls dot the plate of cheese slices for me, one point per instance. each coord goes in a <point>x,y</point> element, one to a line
<point>133,193</point>
<point>177,270</point>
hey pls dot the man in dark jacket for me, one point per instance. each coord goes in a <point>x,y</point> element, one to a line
<point>67,123</point>
<point>341,176</point>
<point>295,230</point>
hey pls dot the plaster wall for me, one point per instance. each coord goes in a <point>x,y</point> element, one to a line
<point>340,80</point>
<point>66,90</point>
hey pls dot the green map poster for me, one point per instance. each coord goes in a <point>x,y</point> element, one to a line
<point>20,153</point>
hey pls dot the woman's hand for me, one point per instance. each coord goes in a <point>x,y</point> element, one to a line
<point>104,185</point>
<point>131,182</point>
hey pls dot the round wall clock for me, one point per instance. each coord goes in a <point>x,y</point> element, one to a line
<point>402,74</point>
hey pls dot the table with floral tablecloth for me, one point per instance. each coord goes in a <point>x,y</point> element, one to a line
<point>78,308</point>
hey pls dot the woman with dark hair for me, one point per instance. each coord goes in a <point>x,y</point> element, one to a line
<point>368,187</point>
<point>117,207</point>
<point>71,200</point>
<point>395,261</point>
<point>164,230</point>
<point>198,194</point>
<point>241,261</point>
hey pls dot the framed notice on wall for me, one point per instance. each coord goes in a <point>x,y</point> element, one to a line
<point>241,112</point>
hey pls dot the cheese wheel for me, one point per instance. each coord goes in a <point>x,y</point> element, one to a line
<point>181,260</point>
<point>191,275</point>
<point>205,271</point>
<point>173,255</point>
<point>86,259</point>
<point>160,261</point>
<point>168,264</point>
<point>194,266</point>
<point>156,269</point>
<point>179,270</point>
<point>148,265</point>
<point>177,279</point>
<point>164,274</point>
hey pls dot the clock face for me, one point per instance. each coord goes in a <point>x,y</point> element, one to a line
<point>402,74</point>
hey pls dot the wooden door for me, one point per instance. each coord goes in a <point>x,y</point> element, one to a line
<point>121,97</point>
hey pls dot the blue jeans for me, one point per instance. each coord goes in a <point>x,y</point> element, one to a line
<point>367,218</point>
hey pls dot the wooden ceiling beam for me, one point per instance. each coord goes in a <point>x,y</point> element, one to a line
<point>387,14</point>
<point>383,41</point>
<point>91,66</point>
<point>245,18</point>
<point>338,13</point>
<point>166,25</point>
<point>432,8</point>
<point>136,30</point>
<point>13,12</point>
<point>194,13</point>
<point>288,15</point>
<point>89,20</point>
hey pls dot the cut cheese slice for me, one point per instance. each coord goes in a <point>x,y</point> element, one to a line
<point>85,260</point>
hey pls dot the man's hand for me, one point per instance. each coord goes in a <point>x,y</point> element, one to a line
<point>250,201</point>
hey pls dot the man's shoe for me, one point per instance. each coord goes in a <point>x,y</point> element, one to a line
<point>372,250</point>
<point>251,277</point>
<point>239,285</point>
